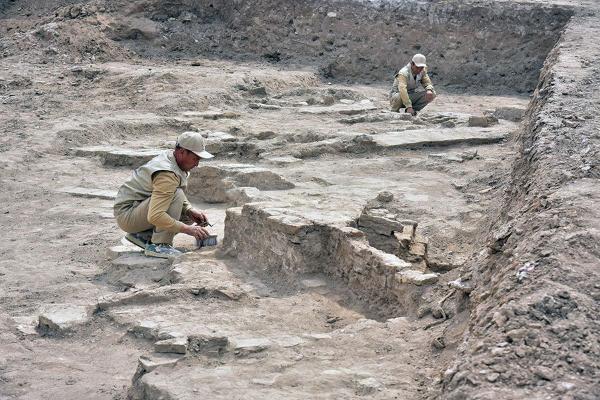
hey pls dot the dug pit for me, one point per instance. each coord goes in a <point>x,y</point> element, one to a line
<point>350,237</point>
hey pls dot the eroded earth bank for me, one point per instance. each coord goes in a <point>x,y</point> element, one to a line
<point>362,253</point>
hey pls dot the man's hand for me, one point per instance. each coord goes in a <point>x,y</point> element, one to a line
<point>429,96</point>
<point>197,217</point>
<point>411,111</point>
<point>196,231</point>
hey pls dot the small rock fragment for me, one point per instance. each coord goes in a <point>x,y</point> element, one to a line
<point>312,283</point>
<point>317,336</point>
<point>250,345</point>
<point>438,312</point>
<point>513,114</point>
<point>288,341</point>
<point>439,343</point>
<point>459,284</point>
<point>125,249</point>
<point>75,11</point>
<point>258,91</point>
<point>516,334</point>
<point>133,261</point>
<point>265,135</point>
<point>564,387</point>
<point>150,362</point>
<point>282,161</point>
<point>176,345</point>
<point>146,329</point>
<point>499,318</point>
<point>265,381</point>
<point>524,271</point>
<point>449,374</point>
<point>482,121</point>
<point>210,344</point>
<point>367,386</point>
<point>60,318</point>
<point>264,106</point>
<point>187,16</point>
<point>544,373</point>
<point>385,197</point>
<point>26,325</point>
<point>492,377</point>
<point>328,100</point>
<point>416,277</point>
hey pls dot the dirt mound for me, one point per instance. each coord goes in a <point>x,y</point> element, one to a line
<point>534,323</point>
<point>66,31</point>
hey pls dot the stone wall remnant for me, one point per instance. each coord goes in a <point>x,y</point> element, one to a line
<point>233,183</point>
<point>300,243</point>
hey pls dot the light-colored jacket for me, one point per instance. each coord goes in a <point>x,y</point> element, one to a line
<point>405,82</point>
<point>139,186</point>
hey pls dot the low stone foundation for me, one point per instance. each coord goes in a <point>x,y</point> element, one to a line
<point>284,241</point>
<point>233,183</point>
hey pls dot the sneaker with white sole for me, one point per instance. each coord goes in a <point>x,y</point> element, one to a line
<point>161,250</point>
<point>140,239</point>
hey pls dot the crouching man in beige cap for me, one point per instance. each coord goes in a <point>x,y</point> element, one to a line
<point>152,207</point>
<point>404,93</point>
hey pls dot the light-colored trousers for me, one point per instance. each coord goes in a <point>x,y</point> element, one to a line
<point>135,218</point>
<point>417,99</point>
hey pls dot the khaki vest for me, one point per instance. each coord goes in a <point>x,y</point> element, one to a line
<point>412,82</point>
<point>139,187</point>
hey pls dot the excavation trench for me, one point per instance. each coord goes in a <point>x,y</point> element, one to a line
<point>469,46</point>
<point>379,258</point>
<point>384,266</point>
<point>294,343</point>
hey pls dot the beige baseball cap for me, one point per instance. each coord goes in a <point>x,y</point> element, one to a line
<point>194,142</point>
<point>419,60</point>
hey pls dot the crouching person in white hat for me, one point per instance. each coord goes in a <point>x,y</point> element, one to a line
<point>405,91</point>
<point>152,207</point>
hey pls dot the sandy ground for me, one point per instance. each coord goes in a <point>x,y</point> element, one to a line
<point>54,247</point>
<point>56,244</point>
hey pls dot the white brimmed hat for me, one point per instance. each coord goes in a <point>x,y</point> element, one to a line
<point>194,142</point>
<point>419,60</point>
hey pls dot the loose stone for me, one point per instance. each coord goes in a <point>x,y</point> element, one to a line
<point>251,345</point>
<point>544,373</point>
<point>61,318</point>
<point>176,345</point>
<point>368,386</point>
<point>493,377</point>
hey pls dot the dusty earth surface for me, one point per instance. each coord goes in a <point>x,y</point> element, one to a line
<point>362,253</point>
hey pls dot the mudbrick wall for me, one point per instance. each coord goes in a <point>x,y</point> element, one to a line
<point>535,318</point>
<point>301,245</point>
<point>468,44</point>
